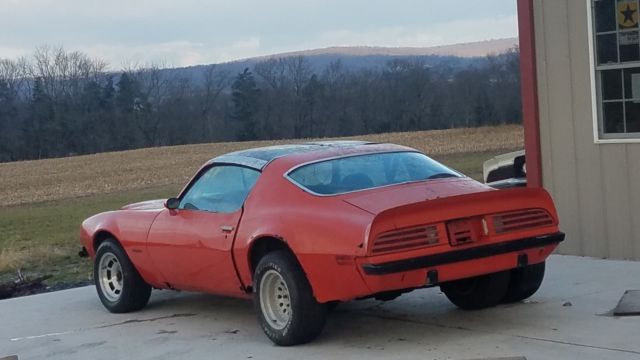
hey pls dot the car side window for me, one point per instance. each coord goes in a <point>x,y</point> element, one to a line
<point>220,189</point>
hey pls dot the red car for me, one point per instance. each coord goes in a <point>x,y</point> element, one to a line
<point>302,227</point>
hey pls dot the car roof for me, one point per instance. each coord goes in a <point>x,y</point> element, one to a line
<point>258,158</point>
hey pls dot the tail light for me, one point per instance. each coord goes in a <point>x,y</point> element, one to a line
<point>405,239</point>
<point>521,220</point>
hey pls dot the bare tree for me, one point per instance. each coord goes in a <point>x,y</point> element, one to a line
<point>214,82</point>
<point>14,74</point>
<point>299,71</point>
<point>64,73</point>
<point>275,95</point>
<point>154,91</point>
<point>273,72</point>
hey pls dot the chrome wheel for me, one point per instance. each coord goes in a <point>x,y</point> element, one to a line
<point>110,277</point>
<point>275,302</point>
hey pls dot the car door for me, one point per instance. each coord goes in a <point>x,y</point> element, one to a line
<point>191,246</point>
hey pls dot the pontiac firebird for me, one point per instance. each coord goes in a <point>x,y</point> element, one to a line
<point>300,228</point>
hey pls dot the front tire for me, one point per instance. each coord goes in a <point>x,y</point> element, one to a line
<point>525,281</point>
<point>283,299</point>
<point>120,287</point>
<point>478,292</point>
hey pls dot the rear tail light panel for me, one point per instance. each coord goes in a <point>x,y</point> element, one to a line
<point>521,220</point>
<point>461,232</point>
<point>406,239</point>
<point>465,231</point>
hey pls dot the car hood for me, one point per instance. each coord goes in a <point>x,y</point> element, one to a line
<point>146,205</point>
<point>375,201</point>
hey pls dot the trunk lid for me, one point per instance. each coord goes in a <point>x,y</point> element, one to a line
<point>379,200</point>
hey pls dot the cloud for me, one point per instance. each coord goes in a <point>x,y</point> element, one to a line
<point>443,34</point>
<point>99,9</point>
<point>173,53</point>
<point>7,52</point>
<point>190,32</point>
<point>241,49</point>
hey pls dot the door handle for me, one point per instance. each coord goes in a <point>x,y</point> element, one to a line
<point>226,228</point>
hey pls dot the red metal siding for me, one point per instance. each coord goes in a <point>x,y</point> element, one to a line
<point>530,112</point>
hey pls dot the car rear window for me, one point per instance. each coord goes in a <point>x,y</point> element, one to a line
<point>361,172</point>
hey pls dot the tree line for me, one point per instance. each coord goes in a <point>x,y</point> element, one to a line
<point>57,103</point>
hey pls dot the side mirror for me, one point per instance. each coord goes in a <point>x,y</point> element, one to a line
<point>172,203</point>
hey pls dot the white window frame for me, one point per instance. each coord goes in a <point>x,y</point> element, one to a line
<point>598,136</point>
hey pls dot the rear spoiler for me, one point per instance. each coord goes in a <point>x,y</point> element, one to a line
<point>462,206</point>
<point>508,183</point>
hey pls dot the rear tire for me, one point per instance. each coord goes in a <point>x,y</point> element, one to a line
<point>478,292</point>
<point>120,287</point>
<point>524,282</point>
<point>283,299</point>
<point>332,305</point>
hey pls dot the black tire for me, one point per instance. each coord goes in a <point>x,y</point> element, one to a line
<point>524,282</point>
<point>305,318</point>
<point>135,292</point>
<point>478,292</point>
<point>332,305</point>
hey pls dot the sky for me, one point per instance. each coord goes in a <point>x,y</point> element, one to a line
<point>191,32</point>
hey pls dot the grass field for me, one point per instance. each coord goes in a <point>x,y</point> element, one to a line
<point>45,201</point>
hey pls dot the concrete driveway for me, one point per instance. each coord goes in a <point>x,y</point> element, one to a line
<point>569,318</point>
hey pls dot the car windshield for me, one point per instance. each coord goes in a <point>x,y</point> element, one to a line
<point>354,173</point>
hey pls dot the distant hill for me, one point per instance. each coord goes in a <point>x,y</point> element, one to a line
<point>362,57</point>
<point>474,49</point>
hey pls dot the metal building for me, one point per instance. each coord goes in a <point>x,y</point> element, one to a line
<point>581,100</point>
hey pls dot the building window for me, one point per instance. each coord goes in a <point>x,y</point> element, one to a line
<point>617,59</point>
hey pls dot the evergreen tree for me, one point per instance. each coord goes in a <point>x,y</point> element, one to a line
<point>310,95</point>
<point>128,94</point>
<point>107,96</point>
<point>244,95</point>
<point>8,114</point>
<point>91,94</point>
<point>123,135</point>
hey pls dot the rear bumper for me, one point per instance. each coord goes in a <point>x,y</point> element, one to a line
<point>456,256</point>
